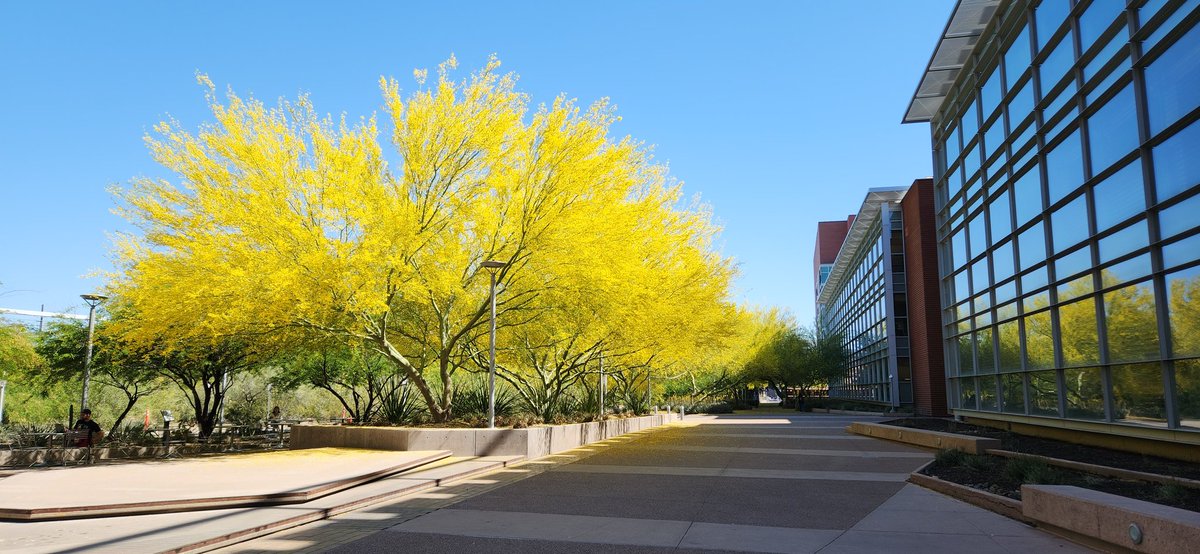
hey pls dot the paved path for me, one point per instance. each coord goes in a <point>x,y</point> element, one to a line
<point>727,483</point>
<point>280,477</point>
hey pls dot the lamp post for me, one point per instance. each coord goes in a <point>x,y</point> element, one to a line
<point>3,386</point>
<point>492,267</point>
<point>92,300</point>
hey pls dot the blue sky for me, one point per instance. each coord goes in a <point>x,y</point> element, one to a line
<point>778,114</point>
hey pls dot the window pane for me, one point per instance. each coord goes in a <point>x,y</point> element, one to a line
<point>969,123</point>
<point>1183,292</point>
<point>1008,335</point>
<point>1128,270</point>
<point>984,352</point>
<point>1032,244</point>
<point>978,234</point>
<point>1099,15</point>
<point>1187,392</point>
<point>979,275</point>
<point>958,243</point>
<point>1113,131</point>
<point>1039,343</point>
<point>966,359</point>
<point>1012,391</point>
<point>1132,325</point>
<point>1043,393</point>
<point>1073,263</point>
<point>1120,196</point>
<point>1076,287</point>
<point>962,289</point>
<point>1056,66</point>
<point>1084,390</point>
<point>1176,165</point>
<point>1077,327</point>
<point>987,394</point>
<point>1016,58</point>
<point>966,394</point>
<point>1064,168</point>
<point>1002,261</point>
<point>1172,81</point>
<point>1181,252</point>
<point>1049,16</point>
<point>1001,217</point>
<point>1093,67</point>
<point>989,94</point>
<point>1123,242</point>
<point>1179,218</point>
<point>993,139</point>
<point>1033,280</point>
<point>1138,394</point>
<point>1069,224</point>
<point>1027,191</point>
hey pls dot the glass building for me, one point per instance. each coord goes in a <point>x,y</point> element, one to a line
<point>1066,148</point>
<point>858,300</point>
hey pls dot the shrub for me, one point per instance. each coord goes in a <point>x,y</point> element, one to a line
<point>471,400</point>
<point>400,407</point>
<point>950,457</point>
<point>1031,471</point>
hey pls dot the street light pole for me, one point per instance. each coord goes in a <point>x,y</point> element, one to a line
<point>92,300</point>
<point>601,386</point>
<point>3,387</point>
<point>492,267</point>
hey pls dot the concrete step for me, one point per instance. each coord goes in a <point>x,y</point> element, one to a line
<point>206,530</point>
<point>257,479</point>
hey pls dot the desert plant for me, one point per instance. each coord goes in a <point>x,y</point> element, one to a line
<point>1031,471</point>
<point>400,406</point>
<point>950,457</point>
<point>471,399</point>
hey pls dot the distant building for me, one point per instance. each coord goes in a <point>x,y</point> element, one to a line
<point>880,293</point>
<point>830,235</point>
<point>1066,148</point>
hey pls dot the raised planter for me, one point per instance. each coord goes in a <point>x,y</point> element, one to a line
<point>26,457</point>
<point>1002,505</point>
<point>1115,520</point>
<point>532,442</point>
<point>921,437</point>
<point>1102,470</point>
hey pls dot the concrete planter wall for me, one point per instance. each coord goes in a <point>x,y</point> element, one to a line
<point>52,456</point>
<point>532,442</point>
<point>928,439</point>
<point>1122,522</point>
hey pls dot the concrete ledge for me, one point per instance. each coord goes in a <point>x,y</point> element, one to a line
<point>1110,518</point>
<point>51,456</point>
<point>920,437</point>
<point>530,443</point>
<point>1103,470</point>
<point>1002,505</point>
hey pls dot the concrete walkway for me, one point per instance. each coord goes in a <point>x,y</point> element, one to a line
<point>160,486</point>
<point>715,483</point>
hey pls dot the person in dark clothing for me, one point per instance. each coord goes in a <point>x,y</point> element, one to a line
<point>85,423</point>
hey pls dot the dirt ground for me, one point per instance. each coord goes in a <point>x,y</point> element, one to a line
<point>994,474</point>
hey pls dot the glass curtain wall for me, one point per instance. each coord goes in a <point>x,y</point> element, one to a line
<point>1067,163</point>
<point>878,368</point>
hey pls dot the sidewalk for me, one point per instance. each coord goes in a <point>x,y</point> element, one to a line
<point>771,483</point>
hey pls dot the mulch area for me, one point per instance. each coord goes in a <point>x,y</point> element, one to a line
<point>992,474</point>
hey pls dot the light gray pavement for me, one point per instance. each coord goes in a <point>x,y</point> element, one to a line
<point>725,483</point>
<point>198,483</point>
<point>421,490</point>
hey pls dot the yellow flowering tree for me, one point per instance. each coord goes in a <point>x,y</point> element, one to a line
<point>287,226</point>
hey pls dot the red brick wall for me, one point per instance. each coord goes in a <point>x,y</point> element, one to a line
<point>924,304</point>
<point>830,236</point>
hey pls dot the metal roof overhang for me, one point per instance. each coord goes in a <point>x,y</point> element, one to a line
<point>867,215</point>
<point>967,22</point>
